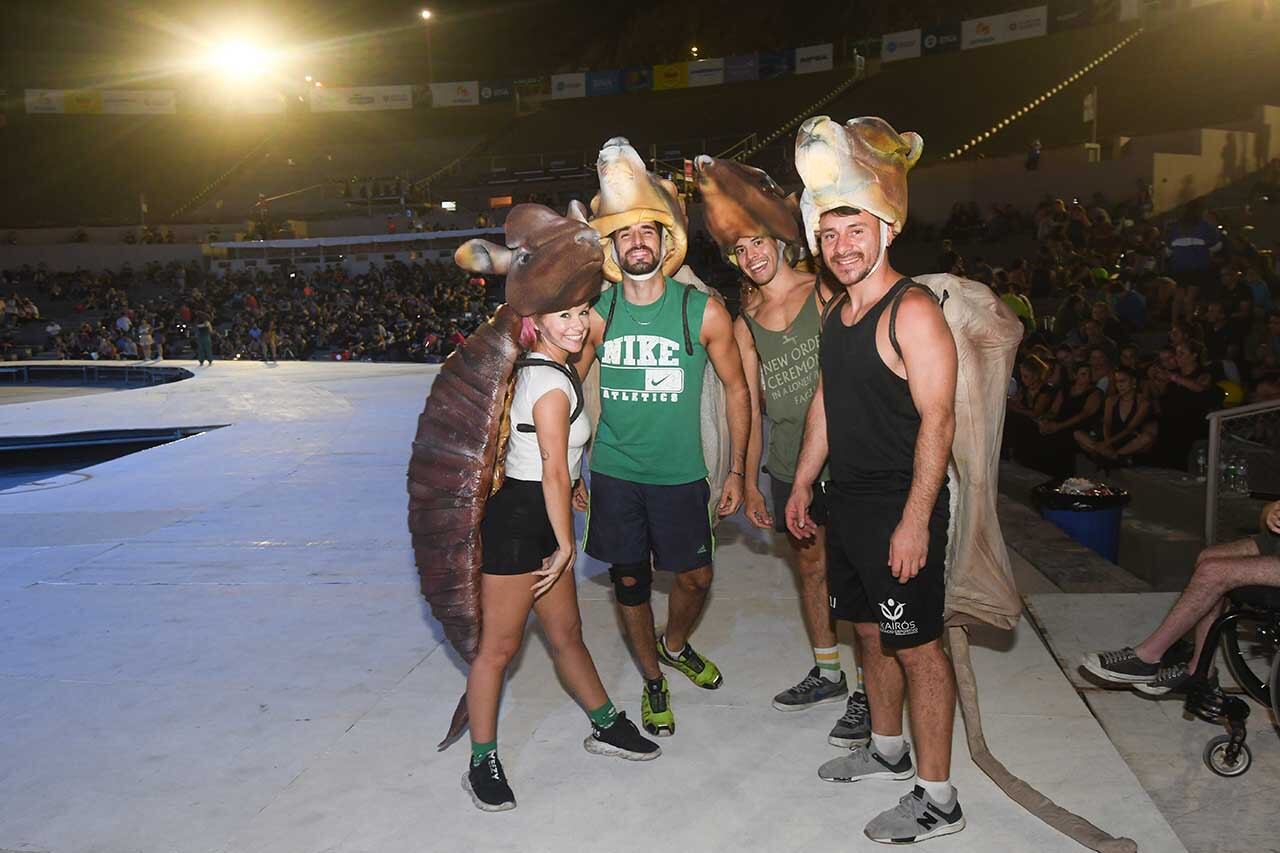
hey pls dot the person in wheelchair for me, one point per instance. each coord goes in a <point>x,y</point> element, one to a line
<point>1251,561</point>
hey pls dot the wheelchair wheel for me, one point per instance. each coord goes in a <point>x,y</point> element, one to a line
<point>1215,757</point>
<point>1248,650</point>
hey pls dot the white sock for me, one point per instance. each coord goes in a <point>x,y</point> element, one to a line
<point>890,746</point>
<point>674,654</point>
<point>940,792</point>
<point>828,662</point>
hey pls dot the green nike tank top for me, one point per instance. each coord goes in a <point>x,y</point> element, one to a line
<point>651,390</point>
<point>788,377</point>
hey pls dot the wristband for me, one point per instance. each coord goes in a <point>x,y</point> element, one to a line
<point>734,473</point>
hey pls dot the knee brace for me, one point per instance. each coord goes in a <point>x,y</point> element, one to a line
<point>636,594</point>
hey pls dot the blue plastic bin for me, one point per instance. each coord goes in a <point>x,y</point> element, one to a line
<point>1093,521</point>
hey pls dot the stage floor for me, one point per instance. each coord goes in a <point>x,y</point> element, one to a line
<point>218,645</point>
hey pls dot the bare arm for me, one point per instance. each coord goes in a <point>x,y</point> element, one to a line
<point>929,357</point>
<point>813,455</point>
<point>551,423</point>
<point>722,349</point>
<point>753,498</point>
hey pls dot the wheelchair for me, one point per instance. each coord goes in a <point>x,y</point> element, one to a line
<point>1249,634</point>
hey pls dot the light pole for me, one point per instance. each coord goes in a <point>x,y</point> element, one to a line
<point>425,15</point>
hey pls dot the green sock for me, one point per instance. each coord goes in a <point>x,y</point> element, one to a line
<point>480,751</point>
<point>603,716</point>
<point>861,687</point>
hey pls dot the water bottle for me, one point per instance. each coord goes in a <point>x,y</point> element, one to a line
<point>1227,474</point>
<point>1242,476</point>
<point>1202,464</point>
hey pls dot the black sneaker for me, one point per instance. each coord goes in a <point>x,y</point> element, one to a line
<point>854,728</point>
<point>814,689</point>
<point>622,739</point>
<point>1122,666</point>
<point>1169,679</point>
<point>487,785</point>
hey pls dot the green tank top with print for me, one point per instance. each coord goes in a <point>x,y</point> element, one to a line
<point>651,389</point>
<point>788,377</point>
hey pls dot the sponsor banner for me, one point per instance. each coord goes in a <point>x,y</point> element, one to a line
<point>940,38</point>
<point>903,45</point>
<point>64,101</point>
<point>139,102</point>
<point>638,78</point>
<point>349,99</point>
<point>1069,14</point>
<point>240,102</point>
<point>569,85</point>
<point>998,29</point>
<point>494,91</point>
<point>776,63</point>
<point>604,83</point>
<point>739,69</point>
<point>815,57</point>
<point>706,72</point>
<point>459,93</point>
<point>529,87</point>
<point>671,76</point>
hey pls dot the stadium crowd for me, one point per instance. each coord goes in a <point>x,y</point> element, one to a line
<point>396,312</point>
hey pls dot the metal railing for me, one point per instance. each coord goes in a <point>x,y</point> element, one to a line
<point>1250,432</point>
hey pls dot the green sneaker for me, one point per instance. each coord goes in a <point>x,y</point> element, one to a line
<point>701,671</point>
<point>655,711</point>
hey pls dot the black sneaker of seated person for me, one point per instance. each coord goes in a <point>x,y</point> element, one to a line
<point>621,739</point>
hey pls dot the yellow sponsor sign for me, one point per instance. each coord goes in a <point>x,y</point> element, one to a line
<point>672,76</point>
<point>82,102</point>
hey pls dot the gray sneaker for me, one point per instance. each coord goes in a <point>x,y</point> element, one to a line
<point>915,818</point>
<point>813,690</point>
<point>863,762</point>
<point>854,728</point>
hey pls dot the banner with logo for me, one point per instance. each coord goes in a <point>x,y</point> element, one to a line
<point>496,91</point>
<point>139,102</point>
<point>238,101</point>
<point>64,101</point>
<point>776,63</point>
<point>530,87</point>
<point>706,72</point>
<point>458,93</point>
<point>902,45</point>
<point>638,78</point>
<point>353,99</point>
<point>815,57</point>
<point>940,38</point>
<point>568,85</point>
<point>674,75</point>
<point>998,29</point>
<point>604,83</point>
<point>739,69</point>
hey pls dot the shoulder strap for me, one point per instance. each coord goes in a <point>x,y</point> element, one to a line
<point>897,300</point>
<point>833,305</point>
<point>574,382</point>
<point>608,320</point>
<point>684,313</point>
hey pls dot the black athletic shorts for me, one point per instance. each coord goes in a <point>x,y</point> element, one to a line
<point>780,491</point>
<point>516,534</point>
<point>862,586</point>
<point>628,522</point>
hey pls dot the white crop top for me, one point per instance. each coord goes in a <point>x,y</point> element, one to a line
<point>524,459</point>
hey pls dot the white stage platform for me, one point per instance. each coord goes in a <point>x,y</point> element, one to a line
<point>218,645</point>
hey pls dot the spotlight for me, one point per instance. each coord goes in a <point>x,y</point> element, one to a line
<point>239,60</point>
<point>308,78</point>
<point>425,14</point>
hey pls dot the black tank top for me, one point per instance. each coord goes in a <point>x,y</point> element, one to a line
<point>872,421</point>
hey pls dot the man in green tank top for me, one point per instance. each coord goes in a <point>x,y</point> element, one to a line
<point>649,503</point>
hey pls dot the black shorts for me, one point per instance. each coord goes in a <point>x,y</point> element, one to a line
<point>1205,280</point>
<point>780,491</point>
<point>516,534</point>
<point>862,586</point>
<point>634,522</point>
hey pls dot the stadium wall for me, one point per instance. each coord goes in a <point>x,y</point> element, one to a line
<point>69,257</point>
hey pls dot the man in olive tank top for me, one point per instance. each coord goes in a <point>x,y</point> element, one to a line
<point>778,334</point>
<point>883,419</point>
<point>649,502</point>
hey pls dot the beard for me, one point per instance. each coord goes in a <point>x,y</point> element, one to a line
<point>639,264</point>
<point>855,274</point>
